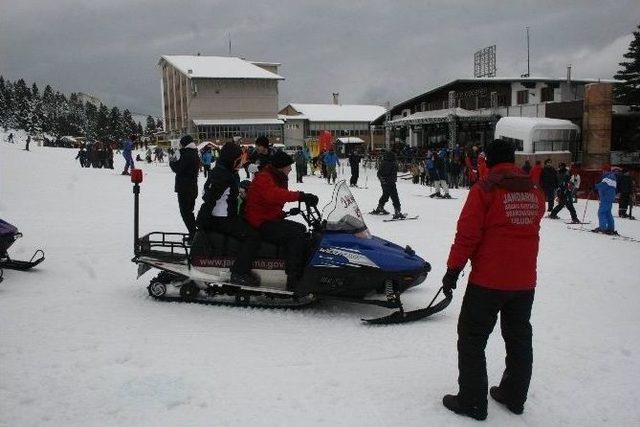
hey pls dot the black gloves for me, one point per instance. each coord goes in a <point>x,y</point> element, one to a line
<point>309,199</point>
<point>293,212</point>
<point>449,281</point>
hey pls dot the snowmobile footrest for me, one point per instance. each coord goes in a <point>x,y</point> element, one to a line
<point>13,264</point>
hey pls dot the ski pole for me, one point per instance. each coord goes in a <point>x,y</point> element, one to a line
<point>584,212</point>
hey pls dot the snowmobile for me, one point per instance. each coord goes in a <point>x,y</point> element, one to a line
<point>344,262</point>
<point>8,235</point>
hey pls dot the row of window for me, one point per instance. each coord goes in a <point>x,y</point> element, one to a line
<point>247,131</point>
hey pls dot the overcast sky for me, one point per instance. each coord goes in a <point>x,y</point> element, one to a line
<point>369,51</point>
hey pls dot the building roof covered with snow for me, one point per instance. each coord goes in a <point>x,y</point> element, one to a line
<point>335,112</point>
<point>219,67</point>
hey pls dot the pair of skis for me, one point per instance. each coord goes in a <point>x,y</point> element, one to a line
<point>405,218</point>
<point>613,236</point>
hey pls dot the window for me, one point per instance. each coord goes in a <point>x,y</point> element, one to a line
<point>547,94</point>
<point>523,97</point>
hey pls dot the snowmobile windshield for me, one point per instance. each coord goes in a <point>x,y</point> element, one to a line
<point>343,214</point>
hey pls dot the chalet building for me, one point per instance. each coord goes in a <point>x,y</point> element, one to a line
<point>465,112</point>
<point>216,98</point>
<point>348,124</point>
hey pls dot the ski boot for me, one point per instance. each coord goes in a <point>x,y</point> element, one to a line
<point>452,403</point>
<point>380,211</point>
<point>245,279</point>
<point>497,395</point>
<point>596,230</point>
<point>552,216</point>
<point>574,221</point>
<point>399,215</point>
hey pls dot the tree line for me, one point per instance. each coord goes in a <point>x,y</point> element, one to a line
<point>53,113</point>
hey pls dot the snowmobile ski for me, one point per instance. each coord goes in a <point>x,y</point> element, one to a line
<point>401,219</point>
<point>401,316</point>
<point>15,264</point>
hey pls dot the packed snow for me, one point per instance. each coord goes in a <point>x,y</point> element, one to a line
<point>82,343</point>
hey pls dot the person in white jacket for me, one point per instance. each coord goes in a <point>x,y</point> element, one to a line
<point>575,180</point>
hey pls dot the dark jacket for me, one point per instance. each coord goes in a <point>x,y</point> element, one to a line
<point>498,230</point>
<point>624,184</point>
<point>354,161</point>
<point>186,169</point>
<point>440,167</point>
<point>260,160</point>
<point>548,178</point>
<point>565,186</point>
<point>388,170</point>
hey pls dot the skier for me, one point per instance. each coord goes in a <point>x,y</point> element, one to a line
<point>575,181</point>
<point>549,183</point>
<point>607,194</point>
<point>10,138</point>
<point>26,147</point>
<point>220,212</point>
<point>441,171</point>
<point>388,175</point>
<point>565,195</point>
<point>625,188</point>
<point>186,167</point>
<point>331,161</point>
<point>266,197</point>
<point>127,148</point>
<point>498,230</point>
<point>354,163</point>
<point>81,156</point>
<point>207,158</point>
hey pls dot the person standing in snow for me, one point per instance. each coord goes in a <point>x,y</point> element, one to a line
<point>186,167</point>
<point>207,159</point>
<point>388,175</point>
<point>607,195</point>
<point>82,156</point>
<point>440,164</point>
<point>565,195</point>
<point>301,164</point>
<point>549,183</point>
<point>575,181</point>
<point>625,188</point>
<point>26,146</point>
<point>499,232</point>
<point>331,161</point>
<point>354,163</point>
<point>10,138</point>
<point>127,148</point>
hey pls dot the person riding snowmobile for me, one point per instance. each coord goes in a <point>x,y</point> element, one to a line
<point>388,175</point>
<point>219,212</point>
<point>265,200</point>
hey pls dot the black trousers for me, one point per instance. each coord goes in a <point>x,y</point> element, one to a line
<point>187,201</point>
<point>355,174</point>
<point>550,194</point>
<point>300,172</point>
<point>478,315</point>
<point>390,190</point>
<point>293,236</point>
<point>565,201</point>
<point>240,229</point>
<point>625,199</point>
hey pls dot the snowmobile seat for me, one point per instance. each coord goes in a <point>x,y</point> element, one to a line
<point>216,244</point>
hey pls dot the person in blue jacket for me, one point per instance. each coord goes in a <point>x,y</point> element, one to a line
<point>207,159</point>
<point>331,160</point>
<point>607,194</point>
<point>127,148</point>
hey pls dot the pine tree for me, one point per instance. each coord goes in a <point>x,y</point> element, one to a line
<point>102,123</point>
<point>128,125</point>
<point>159,126</point>
<point>628,90</point>
<point>35,111</point>
<point>151,126</point>
<point>48,110</point>
<point>139,129</point>
<point>4,107</point>
<point>116,133</point>
<point>22,109</point>
<point>90,126</point>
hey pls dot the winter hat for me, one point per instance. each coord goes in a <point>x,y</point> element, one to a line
<point>262,141</point>
<point>229,154</point>
<point>281,159</point>
<point>500,151</point>
<point>186,140</point>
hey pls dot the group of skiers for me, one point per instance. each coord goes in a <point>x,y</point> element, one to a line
<point>96,155</point>
<point>261,216</point>
<point>11,140</point>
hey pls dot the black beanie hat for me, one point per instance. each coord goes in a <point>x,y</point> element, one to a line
<point>186,140</point>
<point>229,153</point>
<point>262,141</point>
<point>281,159</point>
<point>500,151</point>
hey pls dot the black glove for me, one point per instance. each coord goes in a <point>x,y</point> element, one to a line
<point>449,281</point>
<point>294,211</point>
<point>309,199</point>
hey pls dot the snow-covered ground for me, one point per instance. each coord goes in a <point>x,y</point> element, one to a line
<point>82,344</point>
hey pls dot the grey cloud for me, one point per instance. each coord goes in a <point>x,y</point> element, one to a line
<point>369,51</point>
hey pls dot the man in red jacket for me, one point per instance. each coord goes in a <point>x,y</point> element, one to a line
<point>498,230</point>
<point>263,210</point>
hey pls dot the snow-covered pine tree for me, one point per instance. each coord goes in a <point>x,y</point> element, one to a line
<point>139,129</point>
<point>159,125</point>
<point>150,129</point>
<point>116,133</point>
<point>128,124</point>
<point>36,111</point>
<point>628,90</point>
<point>102,124</point>
<point>22,109</point>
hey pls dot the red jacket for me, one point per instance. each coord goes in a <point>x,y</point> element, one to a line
<point>498,230</point>
<point>266,197</point>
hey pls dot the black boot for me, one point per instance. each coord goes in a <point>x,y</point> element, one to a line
<point>452,403</point>
<point>399,215</point>
<point>497,395</point>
